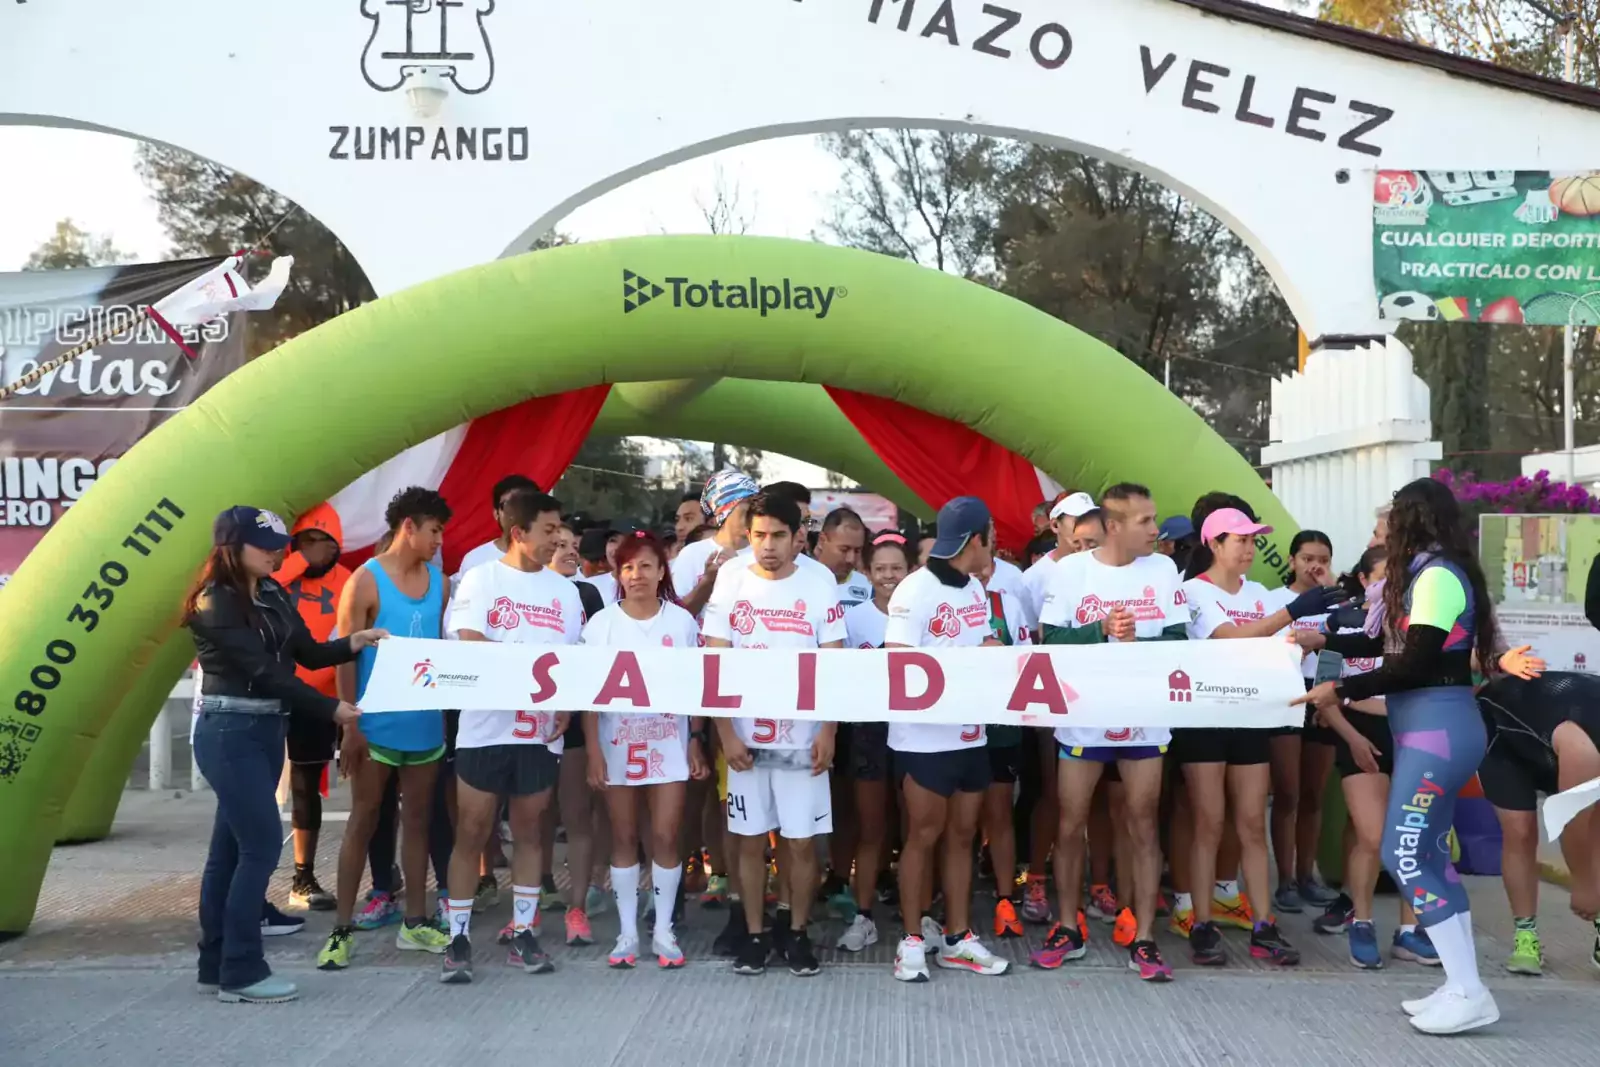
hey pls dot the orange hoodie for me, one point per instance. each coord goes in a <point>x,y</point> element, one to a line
<point>317,598</point>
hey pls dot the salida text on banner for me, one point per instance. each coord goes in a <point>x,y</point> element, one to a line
<point>1245,683</point>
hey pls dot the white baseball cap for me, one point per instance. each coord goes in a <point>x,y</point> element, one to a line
<point>1076,505</point>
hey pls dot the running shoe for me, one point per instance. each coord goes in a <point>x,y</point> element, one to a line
<point>1287,899</point>
<point>1267,944</point>
<point>1422,1004</point>
<point>1083,927</point>
<point>971,954</point>
<point>624,954</point>
<point>457,965</point>
<point>861,932</point>
<point>275,923</point>
<point>526,952</point>
<point>1456,1012</point>
<point>1316,894</point>
<point>842,905</point>
<point>1364,952</point>
<point>1233,911</point>
<point>1061,944</point>
<point>1527,957</point>
<point>1102,904</point>
<point>782,930</point>
<point>1126,929</point>
<point>669,956</point>
<point>441,915</point>
<point>911,960</point>
<point>932,932</point>
<point>1205,945</point>
<point>578,929</point>
<point>799,955</point>
<point>1035,902</point>
<point>1181,922</point>
<point>380,910</point>
<point>753,955</point>
<point>1415,946</point>
<point>1006,923</point>
<point>487,894</point>
<point>270,990</point>
<point>1145,958</point>
<point>306,892</point>
<point>1337,917</point>
<point>716,892</point>
<point>596,901</point>
<point>507,932</point>
<point>335,955</point>
<point>423,937</point>
<point>732,939</point>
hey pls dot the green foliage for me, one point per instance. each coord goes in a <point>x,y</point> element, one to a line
<point>72,247</point>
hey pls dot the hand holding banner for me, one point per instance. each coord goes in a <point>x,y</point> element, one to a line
<point>1246,683</point>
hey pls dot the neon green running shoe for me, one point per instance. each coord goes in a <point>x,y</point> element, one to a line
<point>423,937</point>
<point>335,955</point>
<point>1528,956</point>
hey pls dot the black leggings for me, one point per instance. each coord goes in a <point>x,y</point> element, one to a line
<point>305,795</point>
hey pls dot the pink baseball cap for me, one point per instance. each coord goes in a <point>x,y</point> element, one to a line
<point>1230,521</point>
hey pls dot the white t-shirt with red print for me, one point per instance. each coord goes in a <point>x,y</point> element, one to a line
<point>1210,606</point>
<point>642,747</point>
<point>1081,591</point>
<point>865,625</point>
<point>800,611</point>
<point>924,612</point>
<point>525,607</point>
<point>1279,598</point>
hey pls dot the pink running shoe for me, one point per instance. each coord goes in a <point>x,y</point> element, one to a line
<point>578,931</point>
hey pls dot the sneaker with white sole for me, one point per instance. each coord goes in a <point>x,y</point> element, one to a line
<point>624,954</point>
<point>861,932</point>
<point>911,960</point>
<point>1422,1004</point>
<point>1457,1012</point>
<point>971,954</point>
<point>932,932</point>
<point>668,955</point>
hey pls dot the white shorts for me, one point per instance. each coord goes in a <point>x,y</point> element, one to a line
<point>644,749</point>
<point>792,801</point>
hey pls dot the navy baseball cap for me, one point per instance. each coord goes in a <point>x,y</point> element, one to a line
<point>1176,528</point>
<point>243,525</point>
<point>958,522</point>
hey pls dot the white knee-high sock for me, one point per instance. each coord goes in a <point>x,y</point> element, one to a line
<point>1458,954</point>
<point>664,881</point>
<point>625,885</point>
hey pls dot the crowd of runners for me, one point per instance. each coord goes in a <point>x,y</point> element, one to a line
<point>886,827</point>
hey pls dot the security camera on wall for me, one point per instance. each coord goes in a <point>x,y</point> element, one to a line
<point>426,88</point>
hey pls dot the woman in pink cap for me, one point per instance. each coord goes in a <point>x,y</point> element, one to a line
<point>1226,766</point>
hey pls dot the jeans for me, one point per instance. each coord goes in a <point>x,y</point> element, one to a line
<point>241,756</point>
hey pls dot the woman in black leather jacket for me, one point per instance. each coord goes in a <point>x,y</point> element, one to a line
<point>249,638</point>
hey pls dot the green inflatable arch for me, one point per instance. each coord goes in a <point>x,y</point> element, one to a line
<point>95,605</point>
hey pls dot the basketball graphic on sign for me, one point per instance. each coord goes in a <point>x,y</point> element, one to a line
<point>1577,194</point>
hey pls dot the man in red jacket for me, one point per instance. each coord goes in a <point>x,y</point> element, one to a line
<point>313,577</point>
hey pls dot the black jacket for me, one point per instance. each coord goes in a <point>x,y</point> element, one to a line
<point>253,654</point>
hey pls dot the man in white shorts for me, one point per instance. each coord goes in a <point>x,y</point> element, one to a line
<point>777,768</point>
<point>515,753</point>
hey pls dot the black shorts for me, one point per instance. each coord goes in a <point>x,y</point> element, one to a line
<point>1510,783</point>
<point>1374,728</point>
<point>508,770</point>
<point>574,738</point>
<point>311,739</point>
<point>1005,764</point>
<point>1235,746</point>
<point>869,751</point>
<point>1311,732</point>
<point>966,770</point>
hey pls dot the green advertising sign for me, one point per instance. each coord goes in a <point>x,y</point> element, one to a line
<point>1498,246</point>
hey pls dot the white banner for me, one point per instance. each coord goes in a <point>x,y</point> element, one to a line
<point>1154,684</point>
<point>1562,808</point>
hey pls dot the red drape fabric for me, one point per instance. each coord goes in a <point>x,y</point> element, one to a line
<point>939,459</point>
<point>537,437</point>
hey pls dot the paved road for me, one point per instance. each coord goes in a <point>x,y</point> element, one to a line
<point>106,976</point>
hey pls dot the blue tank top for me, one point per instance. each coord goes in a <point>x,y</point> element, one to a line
<point>407,731</point>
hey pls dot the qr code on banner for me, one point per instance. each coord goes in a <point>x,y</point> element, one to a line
<point>16,738</point>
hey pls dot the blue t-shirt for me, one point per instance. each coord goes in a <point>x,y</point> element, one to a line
<point>405,731</point>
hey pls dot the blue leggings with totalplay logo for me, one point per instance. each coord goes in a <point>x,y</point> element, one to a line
<point>1439,741</point>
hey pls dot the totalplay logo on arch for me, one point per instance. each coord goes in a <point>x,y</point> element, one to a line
<point>764,297</point>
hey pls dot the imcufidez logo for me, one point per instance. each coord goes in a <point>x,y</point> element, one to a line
<point>762,296</point>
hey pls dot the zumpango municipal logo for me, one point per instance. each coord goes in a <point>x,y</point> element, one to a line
<point>762,296</point>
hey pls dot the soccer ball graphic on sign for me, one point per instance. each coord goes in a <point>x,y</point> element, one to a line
<point>1411,306</point>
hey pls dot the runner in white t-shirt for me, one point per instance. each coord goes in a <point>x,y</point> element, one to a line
<point>694,572</point>
<point>777,768</point>
<point>945,768</point>
<point>1227,767</point>
<point>1121,591</point>
<point>649,751</point>
<point>1065,516</point>
<point>491,550</point>
<point>1302,758</point>
<point>1007,746</point>
<point>840,547</point>
<point>889,560</point>
<point>514,752</point>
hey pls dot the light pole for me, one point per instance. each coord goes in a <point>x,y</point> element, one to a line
<point>1568,345</point>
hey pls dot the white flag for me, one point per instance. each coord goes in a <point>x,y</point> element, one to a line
<point>219,291</point>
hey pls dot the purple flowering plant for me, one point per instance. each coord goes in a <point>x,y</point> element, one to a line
<point>1537,495</point>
